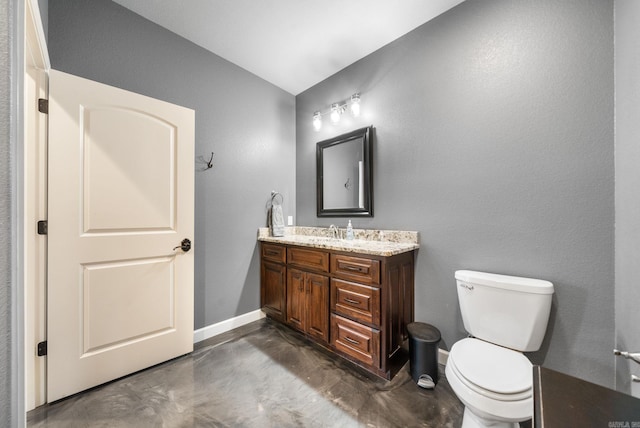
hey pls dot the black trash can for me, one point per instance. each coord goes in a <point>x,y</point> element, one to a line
<point>423,352</point>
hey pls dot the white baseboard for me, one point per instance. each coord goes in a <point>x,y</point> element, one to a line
<point>226,325</point>
<point>443,356</point>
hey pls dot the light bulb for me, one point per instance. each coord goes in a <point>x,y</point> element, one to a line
<point>335,113</point>
<point>355,105</point>
<point>317,121</point>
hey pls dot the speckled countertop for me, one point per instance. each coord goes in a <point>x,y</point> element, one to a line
<point>367,241</point>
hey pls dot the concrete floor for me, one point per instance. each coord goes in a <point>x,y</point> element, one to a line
<point>260,375</point>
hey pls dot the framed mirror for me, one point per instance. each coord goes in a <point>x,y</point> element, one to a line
<point>344,175</point>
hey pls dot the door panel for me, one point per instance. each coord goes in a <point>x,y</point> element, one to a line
<point>121,183</point>
<point>318,307</point>
<point>114,178</point>
<point>296,299</point>
<point>128,286</point>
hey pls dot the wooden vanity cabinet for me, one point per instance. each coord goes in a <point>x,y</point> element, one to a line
<point>372,301</point>
<point>356,305</point>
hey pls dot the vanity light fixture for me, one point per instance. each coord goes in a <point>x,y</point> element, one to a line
<point>337,110</point>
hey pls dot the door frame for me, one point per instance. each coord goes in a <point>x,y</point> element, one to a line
<point>32,196</point>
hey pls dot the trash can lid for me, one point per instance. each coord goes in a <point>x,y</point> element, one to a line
<point>423,332</point>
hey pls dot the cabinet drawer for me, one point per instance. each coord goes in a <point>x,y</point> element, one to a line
<point>356,268</point>
<point>356,340</point>
<point>307,258</point>
<point>357,301</point>
<point>276,253</point>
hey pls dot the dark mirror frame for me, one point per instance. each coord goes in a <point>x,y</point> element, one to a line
<point>367,141</point>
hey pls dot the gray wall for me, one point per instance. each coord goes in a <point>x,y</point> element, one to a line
<point>10,381</point>
<point>247,122</point>
<point>627,156</point>
<point>494,140</point>
<point>5,214</point>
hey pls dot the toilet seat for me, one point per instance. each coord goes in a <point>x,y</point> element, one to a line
<point>491,370</point>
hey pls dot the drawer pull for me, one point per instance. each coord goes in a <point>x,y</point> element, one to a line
<point>354,269</point>
<point>350,340</point>
<point>353,302</point>
<point>272,252</point>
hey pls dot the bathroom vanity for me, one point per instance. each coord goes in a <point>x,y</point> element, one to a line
<point>354,298</point>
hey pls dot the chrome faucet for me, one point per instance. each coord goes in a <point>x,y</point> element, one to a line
<point>629,355</point>
<point>334,231</point>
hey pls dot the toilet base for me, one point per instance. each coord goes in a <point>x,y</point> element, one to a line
<point>471,420</point>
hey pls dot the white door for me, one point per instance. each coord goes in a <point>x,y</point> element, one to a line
<point>121,199</point>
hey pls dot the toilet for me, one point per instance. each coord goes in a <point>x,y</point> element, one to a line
<point>504,316</point>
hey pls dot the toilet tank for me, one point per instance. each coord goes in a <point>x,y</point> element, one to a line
<point>509,311</point>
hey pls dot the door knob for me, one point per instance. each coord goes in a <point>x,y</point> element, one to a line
<point>185,245</point>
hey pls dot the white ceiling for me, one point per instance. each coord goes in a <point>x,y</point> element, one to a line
<point>293,44</point>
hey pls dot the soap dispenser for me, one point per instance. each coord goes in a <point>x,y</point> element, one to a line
<point>349,231</point>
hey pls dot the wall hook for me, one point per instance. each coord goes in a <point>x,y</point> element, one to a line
<point>207,164</point>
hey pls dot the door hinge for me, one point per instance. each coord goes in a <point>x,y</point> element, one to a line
<point>43,105</point>
<point>42,349</point>
<point>43,227</point>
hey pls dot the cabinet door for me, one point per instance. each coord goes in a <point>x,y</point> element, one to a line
<point>273,290</point>
<point>318,306</point>
<point>296,299</point>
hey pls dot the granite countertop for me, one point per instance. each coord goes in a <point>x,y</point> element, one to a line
<point>367,241</point>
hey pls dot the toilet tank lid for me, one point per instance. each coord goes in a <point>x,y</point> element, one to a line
<point>527,285</point>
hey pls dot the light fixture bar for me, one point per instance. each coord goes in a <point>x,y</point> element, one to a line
<point>337,110</point>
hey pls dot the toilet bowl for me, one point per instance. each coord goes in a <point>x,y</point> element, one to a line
<point>494,383</point>
<point>505,316</point>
